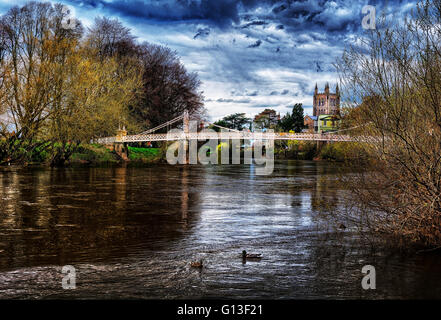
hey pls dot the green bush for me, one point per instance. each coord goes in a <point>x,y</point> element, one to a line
<point>40,154</point>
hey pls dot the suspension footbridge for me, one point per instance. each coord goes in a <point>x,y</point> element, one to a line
<point>225,134</point>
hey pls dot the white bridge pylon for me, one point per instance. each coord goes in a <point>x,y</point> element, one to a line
<point>231,134</point>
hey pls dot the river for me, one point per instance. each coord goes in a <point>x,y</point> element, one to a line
<point>131,232</point>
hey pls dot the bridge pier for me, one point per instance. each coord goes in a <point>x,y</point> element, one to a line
<point>122,150</point>
<point>120,146</point>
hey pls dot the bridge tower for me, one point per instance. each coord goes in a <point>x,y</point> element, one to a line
<point>120,147</point>
<point>186,123</point>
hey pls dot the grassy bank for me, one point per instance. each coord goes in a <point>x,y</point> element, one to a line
<point>96,154</point>
<point>145,154</point>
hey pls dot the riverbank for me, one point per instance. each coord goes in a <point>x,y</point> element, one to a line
<point>96,154</point>
<point>306,150</point>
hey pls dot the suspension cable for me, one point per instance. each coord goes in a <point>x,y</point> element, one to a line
<point>168,123</point>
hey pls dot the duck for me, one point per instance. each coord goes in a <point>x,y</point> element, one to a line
<point>342,226</point>
<point>255,256</point>
<point>196,264</point>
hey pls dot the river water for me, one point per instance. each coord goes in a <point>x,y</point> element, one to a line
<point>131,232</point>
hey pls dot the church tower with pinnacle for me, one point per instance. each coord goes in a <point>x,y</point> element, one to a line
<point>326,102</point>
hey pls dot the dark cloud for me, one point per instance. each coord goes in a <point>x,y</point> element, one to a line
<point>221,13</point>
<point>301,41</point>
<point>280,8</point>
<point>233,100</point>
<point>254,23</point>
<point>324,16</point>
<point>202,33</point>
<point>253,94</point>
<point>256,44</point>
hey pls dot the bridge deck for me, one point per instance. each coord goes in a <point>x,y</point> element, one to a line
<point>174,136</point>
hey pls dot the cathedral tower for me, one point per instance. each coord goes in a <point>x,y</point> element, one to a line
<point>326,102</point>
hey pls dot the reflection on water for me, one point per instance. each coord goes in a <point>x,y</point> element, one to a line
<point>132,232</point>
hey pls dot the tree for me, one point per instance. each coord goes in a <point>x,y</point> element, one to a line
<point>394,75</point>
<point>268,119</point>
<point>33,45</point>
<point>96,95</point>
<point>59,88</point>
<point>235,121</point>
<point>293,121</point>
<point>109,38</point>
<point>55,88</point>
<point>168,89</point>
<point>286,123</point>
<point>297,116</point>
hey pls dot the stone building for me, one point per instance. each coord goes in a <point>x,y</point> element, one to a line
<point>326,102</point>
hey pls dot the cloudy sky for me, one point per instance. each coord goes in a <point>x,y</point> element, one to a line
<point>249,54</point>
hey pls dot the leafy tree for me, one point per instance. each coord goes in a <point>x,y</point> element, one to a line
<point>64,93</point>
<point>95,100</point>
<point>237,121</point>
<point>293,121</point>
<point>34,49</point>
<point>298,117</point>
<point>286,123</point>
<point>268,118</point>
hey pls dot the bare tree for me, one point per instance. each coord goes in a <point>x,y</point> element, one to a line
<point>393,75</point>
<point>110,38</point>
<point>169,88</point>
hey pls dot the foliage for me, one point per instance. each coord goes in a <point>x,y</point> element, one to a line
<point>295,149</point>
<point>267,119</point>
<point>61,88</point>
<point>394,75</point>
<point>293,121</point>
<point>237,121</point>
